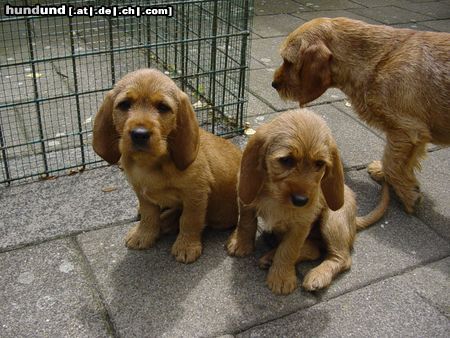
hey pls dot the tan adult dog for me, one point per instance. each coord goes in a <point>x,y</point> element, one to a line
<point>148,123</point>
<point>398,80</point>
<point>291,173</point>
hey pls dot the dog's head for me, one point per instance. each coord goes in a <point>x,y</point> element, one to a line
<point>146,116</point>
<point>293,159</point>
<point>306,70</point>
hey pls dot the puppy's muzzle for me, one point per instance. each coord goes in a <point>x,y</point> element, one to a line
<point>276,85</point>
<point>140,136</point>
<point>299,200</point>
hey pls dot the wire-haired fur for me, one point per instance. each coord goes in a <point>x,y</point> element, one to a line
<point>291,174</point>
<point>182,175</point>
<point>398,80</point>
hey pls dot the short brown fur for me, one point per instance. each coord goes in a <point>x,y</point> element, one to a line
<point>181,168</point>
<point>398,80</point>
<point>294,155</point>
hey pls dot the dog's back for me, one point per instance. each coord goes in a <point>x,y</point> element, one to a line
<point>423,67</point>
<point>408,69</point>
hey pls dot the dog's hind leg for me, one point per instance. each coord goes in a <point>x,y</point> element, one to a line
<point>401,158</point>
<point>309,252</point>
<point>338,239</point>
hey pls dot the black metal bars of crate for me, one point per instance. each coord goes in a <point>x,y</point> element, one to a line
<point>55,70</point>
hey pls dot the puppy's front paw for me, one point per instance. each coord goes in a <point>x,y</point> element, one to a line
<point>282,281</point>
<point>375,170</point>
<point>185,250</point>
<point>316,280</point>
<point>139,239</point>
<point>238,245</point>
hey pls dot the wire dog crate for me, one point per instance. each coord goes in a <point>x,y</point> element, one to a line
<point>55,70</point>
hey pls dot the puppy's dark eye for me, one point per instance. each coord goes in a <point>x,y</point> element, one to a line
<point>287,161</point>
<point>319,164</point>
<point>163,108</point>
<point>124,105</point>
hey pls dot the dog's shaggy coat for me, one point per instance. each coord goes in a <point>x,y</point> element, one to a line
<point>398,80</point>
<point>179,172</point>
<point>291,173</point>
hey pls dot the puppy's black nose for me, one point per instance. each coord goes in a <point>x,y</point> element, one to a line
<point>140,136</point>
<point>275,84</point>
<point>299,200</point>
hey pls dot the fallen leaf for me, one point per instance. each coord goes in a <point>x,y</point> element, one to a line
<point>73,172</point>
<point>35,75</point>
<point>198,104</point>
<point>249,131</point>
<point>109,189</point>
<point>47,178</point>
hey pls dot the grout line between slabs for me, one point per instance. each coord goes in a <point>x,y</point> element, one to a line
<point>92,280</point>
<point>363,286</point>
<point>67,235</point>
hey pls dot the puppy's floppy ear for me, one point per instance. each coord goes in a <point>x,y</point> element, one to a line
<point>333,181</point>
<point>184,140</point>
<point>106,139</point>
<point>252,172</point>
<point>315,73</point>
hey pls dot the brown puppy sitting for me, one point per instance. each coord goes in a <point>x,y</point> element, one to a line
<point>398,80</point>
<point>292,174</point>
<point>148,123</point>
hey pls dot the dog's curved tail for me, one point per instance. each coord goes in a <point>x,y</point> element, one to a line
<point>373,216</point>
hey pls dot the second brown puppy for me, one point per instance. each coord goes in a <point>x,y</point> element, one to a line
<point>291,173</point>
<point>148,123</point>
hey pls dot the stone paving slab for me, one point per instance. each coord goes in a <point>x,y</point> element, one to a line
<point>219,294</point>
<point>323,5</point>
<point>268,7</point>
<point>438,25</point>
<point>255,64</point>
<point>256,107</point>
<point>333,14</point>
<point>391,15</point>
<point>45,292</point>
<point>384,309</point>
<point>434,179</point>
<point>431,282</point>
<point>343,107</point>
<point>43,210</point>
<point>148,291</point>
<point>266,51</point>
<point>437,10</point>
<point>275,25</point>
<point>383,3</point>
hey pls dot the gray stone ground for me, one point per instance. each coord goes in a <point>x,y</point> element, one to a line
<point>66,272</point>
